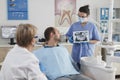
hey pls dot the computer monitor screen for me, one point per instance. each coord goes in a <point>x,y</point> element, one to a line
<point>8,31</point>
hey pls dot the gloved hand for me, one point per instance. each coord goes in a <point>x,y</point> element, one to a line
<point>70,39</point>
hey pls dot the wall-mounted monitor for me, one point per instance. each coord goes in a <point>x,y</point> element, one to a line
<point>9,32</point>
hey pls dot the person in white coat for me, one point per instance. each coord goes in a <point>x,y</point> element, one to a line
<point>20,63</point>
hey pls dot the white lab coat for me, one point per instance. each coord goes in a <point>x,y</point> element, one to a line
<point>20,64</point>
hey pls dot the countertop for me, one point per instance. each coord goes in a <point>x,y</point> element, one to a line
<point>36,45</point>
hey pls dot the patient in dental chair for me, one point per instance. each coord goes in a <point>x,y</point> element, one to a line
<point>55,60</point>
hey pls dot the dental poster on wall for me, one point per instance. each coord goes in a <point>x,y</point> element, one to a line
<point>80,36</point>
<point>65,12</point>
<point>17,9</point>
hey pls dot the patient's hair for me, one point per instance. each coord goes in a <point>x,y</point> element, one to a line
<point>47,33</point>
<point>25,34</point>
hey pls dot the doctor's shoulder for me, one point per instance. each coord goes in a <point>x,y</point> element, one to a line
<point>91,24</point>
<point>31,58</point>
<point>76,23</point>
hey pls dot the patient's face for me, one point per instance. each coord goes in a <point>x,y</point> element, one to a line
<point>57,35</point>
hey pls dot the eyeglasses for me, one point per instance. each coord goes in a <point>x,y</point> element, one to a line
<point>82,16</point>
<point>35,36</point>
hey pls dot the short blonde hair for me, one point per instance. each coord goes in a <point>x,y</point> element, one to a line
<point>24,34</point>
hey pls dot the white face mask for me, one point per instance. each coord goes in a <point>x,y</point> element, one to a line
<point>82,20</point>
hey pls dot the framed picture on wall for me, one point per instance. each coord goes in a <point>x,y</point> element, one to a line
<point>80,36</point>
<point>65,12</point>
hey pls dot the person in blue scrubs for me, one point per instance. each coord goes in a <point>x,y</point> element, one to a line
<point>83,49</point>
<point>55,60</point>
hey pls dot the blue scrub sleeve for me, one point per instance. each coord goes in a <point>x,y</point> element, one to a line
<point>69,34</point>
<point>96,35</point>
<point>70,31</point>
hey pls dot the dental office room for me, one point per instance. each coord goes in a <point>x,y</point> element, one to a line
<point>60,40</point>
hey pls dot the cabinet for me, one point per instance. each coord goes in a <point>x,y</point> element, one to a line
<point>116,25</point>
<point>103,19</point>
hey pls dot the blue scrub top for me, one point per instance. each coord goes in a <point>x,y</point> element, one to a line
<point>83,49</point>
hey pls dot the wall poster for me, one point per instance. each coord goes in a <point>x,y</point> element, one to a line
<point>65,12</point>
<point>17,9</point>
